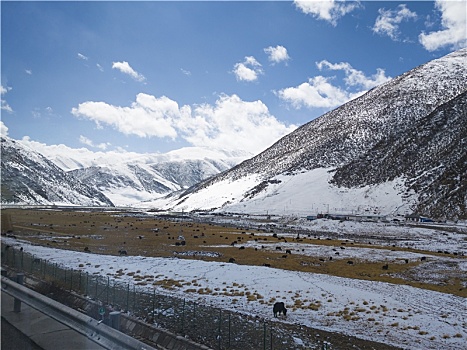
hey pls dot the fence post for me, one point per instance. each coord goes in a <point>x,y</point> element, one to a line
<point>183,316</point>
<point>22,263</point>
<point>264,335</point>
<point>134,298</point>
<point>270,333</point>
<point>108,286</point>
<point>115,320</point>
<point>71,280</point>
<point>87,283</point>
<point>153,304</point>
<point>79,283</point>
<point>97,285</point>
<point>229,329</point>
<point>219,334</point>
<point>127,297</point>
<point>113,297</point>
<point>17,302</point>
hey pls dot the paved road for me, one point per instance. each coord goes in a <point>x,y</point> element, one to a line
<point>14,339</point>
<point>46,332</point>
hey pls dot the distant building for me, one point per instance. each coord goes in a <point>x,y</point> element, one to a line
<point>412,217</point>
<point>351,217</point>
<point>423,219</point>
<point>366,217</point>
<point>417,218</point>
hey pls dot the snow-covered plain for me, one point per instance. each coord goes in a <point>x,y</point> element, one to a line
<point>394,314</point>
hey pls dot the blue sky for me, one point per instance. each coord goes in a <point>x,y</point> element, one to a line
<point>156,76</point>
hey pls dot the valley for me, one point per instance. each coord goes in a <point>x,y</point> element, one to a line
<point>379,281</point>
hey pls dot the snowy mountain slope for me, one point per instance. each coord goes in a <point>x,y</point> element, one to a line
<point>127,177</point>
<point>410,104</point>
<point>432,154</point>
<point>29,178</point>
<point>133,182</point>
<point>136,179</point>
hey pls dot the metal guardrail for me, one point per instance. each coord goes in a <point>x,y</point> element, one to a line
<point>94,330</point>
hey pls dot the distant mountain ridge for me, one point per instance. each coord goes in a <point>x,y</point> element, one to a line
<point>378,138</point>
<point>29,178</point>
<point>123,178</point>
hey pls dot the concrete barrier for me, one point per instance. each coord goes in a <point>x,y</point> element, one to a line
<point>94,330</point>
<point>160,338</point>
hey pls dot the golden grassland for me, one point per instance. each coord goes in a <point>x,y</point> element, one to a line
<point>109,232</point>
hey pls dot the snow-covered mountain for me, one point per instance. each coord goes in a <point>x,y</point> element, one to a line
<point>127,177</point>
<point>29,178</point>
<point>399,148</point>
<point>134,180</point>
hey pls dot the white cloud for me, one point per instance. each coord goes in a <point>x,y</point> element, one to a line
<point>4,105</point>
<point>454,24</point>
<point>28,71</point>
<point>125,68</point>
<point>82,57</point>
<point>248,70</point>
<point>277,54</point>
<point>3,129</point>
<point>99,67</point>
<point>148,116</point>
<point>184,71</point>
<point>327,10</point>
<point>230,124</point>
<point>318,92</point>
<point>4,90</point>
<point>86,141</point>
<point>355,77</point>
<point>388,21</point>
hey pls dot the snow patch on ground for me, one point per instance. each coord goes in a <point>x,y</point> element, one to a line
<point>401,315</point>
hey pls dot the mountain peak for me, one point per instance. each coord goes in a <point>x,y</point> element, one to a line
<point>352,143</point>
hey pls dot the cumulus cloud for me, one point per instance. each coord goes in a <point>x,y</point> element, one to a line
<point>28,71</point>
<point>354,77</point>
<point>184,71</point>
<point>86,141</point>
<point>82,57</point>
<point>148,116</point>
<point>388,21</point>
<point>4,90</point>
<point>233,124</point>
<point>3,129</point>
<point>319,92</point>
<point>230,124</point>
<point>327,10</point>
<point>277,54</point>
<point>248,70</point>
<point>125,68</point>
<point>454,27</point>
<point>4,105</point>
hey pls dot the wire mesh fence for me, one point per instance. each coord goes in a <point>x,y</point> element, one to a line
<point>205,324</point>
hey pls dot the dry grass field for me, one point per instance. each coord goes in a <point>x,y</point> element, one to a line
<point>106,232</point>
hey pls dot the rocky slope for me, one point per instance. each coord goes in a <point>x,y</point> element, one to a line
<point>30,178</point>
